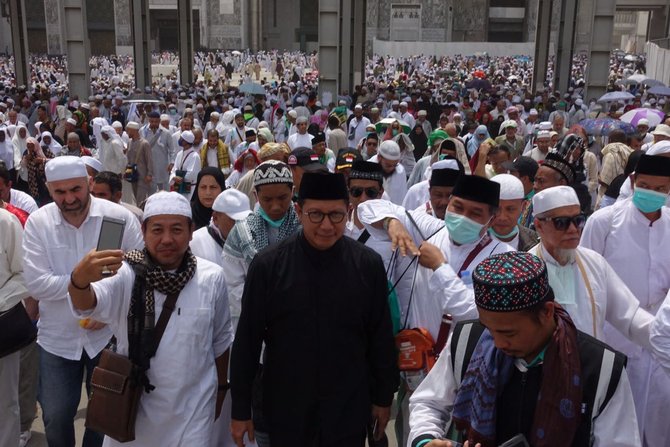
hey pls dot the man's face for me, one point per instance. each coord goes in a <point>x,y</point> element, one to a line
<point>239,121</point>
<point>388,166</point>
<point>518,334</point>
<point>477,211</point>
<point>558,123</point>
<point>642,129</point>
<point>510,132</point>
<point>154,123</point>
<point>250,139</point>
<point>652,182</point>
<point>546,178</point>
<point>371,146</point>
<point>497,159</point>
<point>73,144</point>
<point>197,138</point>
<point>302,128</point>
<point>224,223</point>
<point>358,112</point>
<point>274,199</point>
<point>507,216</point>
<point>185,124</point>
<point>103,191</point>
<point>322,235</point>
<point>319,148</point>
<point>543,144</point>
<point>71,196</point>
<point>554,239</point>
<point>5,190</point>
<point>12,115</point>
<point>166,238</point>
<point>359,189</point>
<point>212,140</point>
<point>439,199</point>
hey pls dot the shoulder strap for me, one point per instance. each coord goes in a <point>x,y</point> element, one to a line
<point>363,238</point>
<point>215,236</point>
<point>473,254</point>
<point>166,313</point>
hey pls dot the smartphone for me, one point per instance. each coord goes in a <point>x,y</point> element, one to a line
<point>111,233</point>
<point>517,441</point>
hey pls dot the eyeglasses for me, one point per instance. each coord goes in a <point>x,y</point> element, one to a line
<point>316,217</point>
<point>370,192</point>
<point>371,143</point>
<point>562,223</point>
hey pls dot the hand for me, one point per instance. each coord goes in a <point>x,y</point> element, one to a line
<point>32,308</point>
<point>382,416</point>
<point>401,239</point>
<point>92,325</point>
<point>467,444</point>
<point>220,397</point>
<point>484,150</point>
<point>239,428</point>
<point>90,268</point>
<point>431,256</point>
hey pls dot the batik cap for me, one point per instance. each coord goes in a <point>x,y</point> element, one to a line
<point>272,172</point>
<point>511,281</point>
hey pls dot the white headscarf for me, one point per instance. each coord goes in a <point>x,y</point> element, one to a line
<point>7,150</point>
<point>54,146</point>
<point>20,144</point>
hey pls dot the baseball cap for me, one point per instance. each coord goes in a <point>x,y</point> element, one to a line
<point>305,158</point>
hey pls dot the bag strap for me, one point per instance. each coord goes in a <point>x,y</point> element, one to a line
<point>215,236</point>
<point>473,254</point>
<point>166,313</point>
<point>363,238</point>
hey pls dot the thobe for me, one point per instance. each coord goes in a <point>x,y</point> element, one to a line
<point>299,140</point>
<point>329,350</point>
<point>139,153</point>
<point>180,411</point>
<point>163,152</point>
<point>395,184</point>
<point>189,161</point>
<point>205,246</point>
<point>356,130</point>
<point>111,155</point>
<point>417,195</point>
<point>633,246</point>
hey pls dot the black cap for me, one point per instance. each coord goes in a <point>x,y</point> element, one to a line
<point>448,145</point>
<point>346,158</point>
<point>250,133</point>
<point>446,176</point>
<point>323,186</point>
<point>319,137</point>
<point>154,115</point>
<point>477,189</point>
<point>373,136</point>
<point>305,158</point>
<point>557,162</point>
<point>366,170</point>
<point>525,166</point>
<point>653,165</point>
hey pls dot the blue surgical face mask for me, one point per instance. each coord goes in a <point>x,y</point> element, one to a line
<point>272,223</point>
<point>461,229</point>
<point>509,235</point>
<point>648,201</point>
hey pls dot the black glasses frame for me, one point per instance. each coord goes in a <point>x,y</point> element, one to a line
<point>562,223</point>
<point>371,192</point>
<point>316,217</point>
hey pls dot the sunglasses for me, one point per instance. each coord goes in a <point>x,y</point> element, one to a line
<point>562,223</point>
<point>370,192</point>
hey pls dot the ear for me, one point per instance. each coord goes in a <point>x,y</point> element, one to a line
<point>117,196</point>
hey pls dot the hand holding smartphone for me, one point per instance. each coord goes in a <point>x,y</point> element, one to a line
<point>111,237</point>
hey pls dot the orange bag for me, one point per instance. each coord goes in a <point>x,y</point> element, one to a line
<point>416,355</point>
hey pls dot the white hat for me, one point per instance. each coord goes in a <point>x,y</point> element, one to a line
<point>543,134</point>
<point>422,113</point>
<point>533,112</point>
<point>662,129</point>
<point>85,105</point>
<point>445,164</point>
<point>188,136</point>
<point>643,122</point>
<point>133,125</point>
<point>214,115</point>
<point>579,102</point>
<point>545,125</point>
<point>233,203</point>
<point>293,113</point>
<point>358,107</point>
<point>92,163</point>
<point>395,102</point>
<point>65,167</point>
<point>72,121</point>
<point>167,203</point>
<point>390,150</point>
<point>660,148</point>
<point>403,104</point>
<point>164,117</point>
<point>511,187</point>
<point>552,198</point>
<point>117,125</point>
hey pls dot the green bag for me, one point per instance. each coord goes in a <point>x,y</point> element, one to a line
<point>394,307</point>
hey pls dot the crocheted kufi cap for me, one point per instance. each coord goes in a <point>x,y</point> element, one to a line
<point>512,281</point>
<point>272,172</point>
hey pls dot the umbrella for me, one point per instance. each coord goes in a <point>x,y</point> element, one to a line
<point>142,98</point>
<point>604,126</point>
<point>252,88</point>
<point>630,58</point>
<point>616,96</point>
<point>659,90</point>
<point>236,53</point>
<point>652,82</point>
<point>635,79</point>
<point>479,84</point>
<point>479,74</point>
<point>634,116</point>
<point>386,122</point>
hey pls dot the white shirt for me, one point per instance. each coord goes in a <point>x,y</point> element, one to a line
<point>52,249</point>
<point>204,246</point>
<point>417,195</point>
<point>12,289</point>
<point>188,161</point>
<point>356,130</point>
<point>180,411</point>
<point>395,185</point>
<point>297,140</point>
<point>23,201</point>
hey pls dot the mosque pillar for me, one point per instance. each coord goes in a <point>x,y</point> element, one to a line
<point>225,24</point>
<point>123,27</point>
<point>54,27</point>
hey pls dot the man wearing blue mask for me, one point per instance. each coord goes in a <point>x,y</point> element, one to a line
<point>450,249</point>
<point>631,236</point>
<point>505,227</point>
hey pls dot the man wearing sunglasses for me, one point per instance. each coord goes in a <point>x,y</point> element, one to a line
<point>330,358</point>
<point>632,236</point>
<point>583,282</point>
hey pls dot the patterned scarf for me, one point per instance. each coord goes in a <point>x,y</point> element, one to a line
<point>142,313</point>
<point>250,236</point>
<point>557,414</point>
<point>35,166</point>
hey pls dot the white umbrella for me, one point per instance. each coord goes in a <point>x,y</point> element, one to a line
<point>236,53</point>
<point>634,116</point>
<point>636,79</point>
<point>616,96</point>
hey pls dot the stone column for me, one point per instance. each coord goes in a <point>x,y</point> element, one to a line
<point>123,27</point>
<point>224,23</point>
<point>54,27</point>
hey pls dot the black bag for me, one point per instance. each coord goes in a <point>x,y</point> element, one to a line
<point>17,330</point>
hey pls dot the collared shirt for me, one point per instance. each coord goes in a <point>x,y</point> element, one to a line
<point>23,201</point>
<point>52,249</point>
<point>12,288</point>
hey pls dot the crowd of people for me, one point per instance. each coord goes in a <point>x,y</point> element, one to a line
<point>442,239</point>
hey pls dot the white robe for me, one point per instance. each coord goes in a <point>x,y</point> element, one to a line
<point>189,163</point>
<point>637,251</point>
<point>417,195</point>
<point>204,246</point>
<point>180,411</point>
<point>395,185</point>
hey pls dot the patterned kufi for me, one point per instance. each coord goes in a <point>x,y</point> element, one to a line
<point>510,282</point>
<point>556,161</point>
<point>272,172</point>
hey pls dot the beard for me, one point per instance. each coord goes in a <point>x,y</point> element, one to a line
<point>565,255</point>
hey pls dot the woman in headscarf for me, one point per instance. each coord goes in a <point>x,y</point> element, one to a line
<point>264,136</point>
<point>49,141</point>
<point>480,135</point>
<point>33,162</point>
<point>407,159</point>
<point>419,140</point>
<point>247,161</point>
<point>209,185</point>
<point>111,153</point>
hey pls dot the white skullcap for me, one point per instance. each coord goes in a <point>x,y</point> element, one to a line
<point>543,134</point>
<point>643,122</point>
<point>85,105</point>
<point>188,136</point>
<point>395,102</point>
<point>545,125</point>
<point>403,104</point>
<point>511,187</point>
<point>390,150</point>
<point>445,164</point>
<point>422,113</point>
<point>660,148</point>
<point>214,115</point>
<point>579,102</point>
<point>75,104</point>
<point>164,202</point>
<point>358,107</point>
<point>301,120</point>
<point>133,125</point>
<point>92,163</point>
<point>117,125</point>
<point>506,124</point>
<point>65,167</point>
<point>72,121</point>
<point>457,115</point>
<point>165,117</point>
<point>552,198</point>
<point>293,113</point>
<point>233,203</point>
<point>662,129</point>
<point>533,112</point>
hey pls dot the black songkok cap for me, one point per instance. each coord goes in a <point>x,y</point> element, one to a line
<point>555,161</point>
<point>446,176</point>
<point>366,170</point>
<point>154,115</point>
<point>323,186</point>
<point>653,165</point>
<point>477,189</point>
<point>250,133</point>
<point>511,281</point>
<point>320,137</point>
